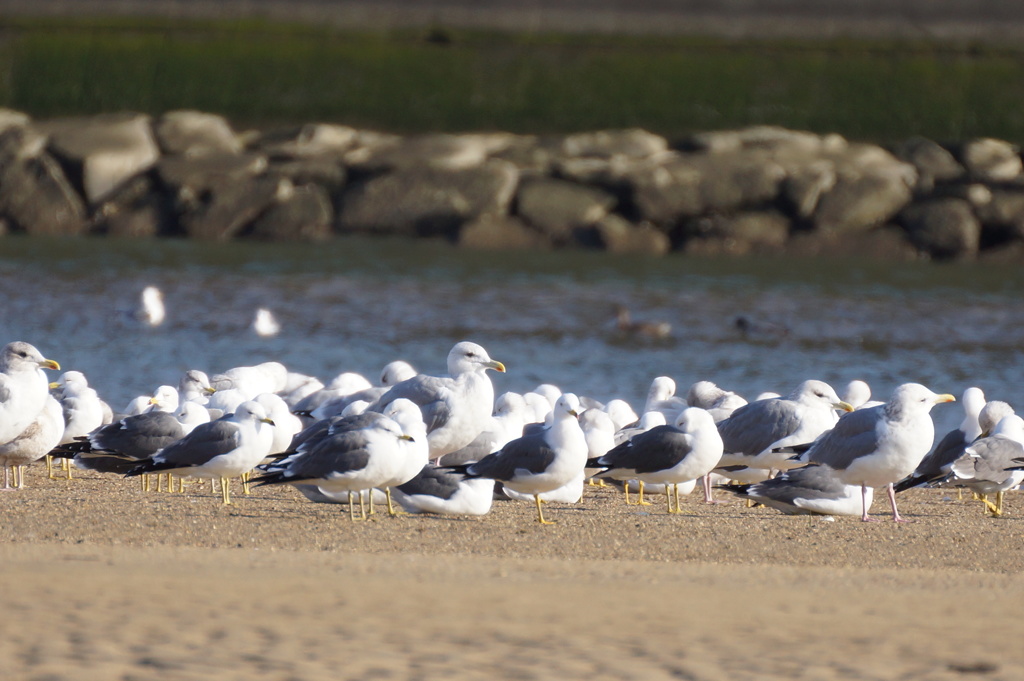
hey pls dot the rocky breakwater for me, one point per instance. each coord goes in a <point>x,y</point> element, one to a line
<point>756,190</point>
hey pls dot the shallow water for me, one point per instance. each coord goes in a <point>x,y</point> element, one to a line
<point>354,305</point>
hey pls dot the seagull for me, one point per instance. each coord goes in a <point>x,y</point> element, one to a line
<point>670,455</point>
<point>122,445</point>
<point>436,490</point>
<point>879,445</point>
<point>225,448</point>
<point>456,408</point>
<point>936,464</point>
<point>23,387</point>
<point>662,397</point>
<point>540,462</point>
<point>988,465</point>
<point>151,307</point>
<point>264,324</point>
<point>350,454</point>
<point>754,431</point>
<point>720,403</point>
<point>416,451</point>
<point>81,405</point>
<point>806,490</point>
<point>32,444</point>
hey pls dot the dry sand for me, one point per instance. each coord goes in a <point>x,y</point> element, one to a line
<point>102,581</point>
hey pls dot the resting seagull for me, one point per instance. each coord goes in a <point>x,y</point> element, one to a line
<point>439,491</point>
<point>668,455</point>
<point>540,462</point>
<point>752,433</point>
<point>879,445</point>
<point>456,408</point>
<point>225,448</point>
<point>807,490</point>
<point>351,454</point>
<point>23,387</point>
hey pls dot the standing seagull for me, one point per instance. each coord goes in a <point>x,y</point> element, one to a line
<point>879,445</point>
<point>539,462</point>
<point>225,448</point>
<point>989,465</point>
<point>668,455</point>
<point>23,387</point>
<point>936,465</point>
<point>40,437</point>
<point>456,408</point>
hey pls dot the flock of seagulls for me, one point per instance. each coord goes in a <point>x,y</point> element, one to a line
<point>447,445</point>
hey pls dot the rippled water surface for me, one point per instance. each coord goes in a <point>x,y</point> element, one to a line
<point>355,305</point>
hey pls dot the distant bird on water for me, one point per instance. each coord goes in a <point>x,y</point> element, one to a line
<point>640,329</point>
<point>151,309</point>
<point>264,324</point>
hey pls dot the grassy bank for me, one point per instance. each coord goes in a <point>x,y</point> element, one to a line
<point>267,74</point>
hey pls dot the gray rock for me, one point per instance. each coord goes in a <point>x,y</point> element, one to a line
<point>533,156</point>
<point>805,184</point>
<point>1002,217</point>
<point>633,143</point>
<point>499,233</point>
<point>297,214</point>
<point>752,232</point>
<point>428,201</point>
<point>759,136</point>
<point>615,234</point>
<point>9,118</point>
<point>194,133</point>
<point>326,171</point>
<point>944,228</point>
<point>557,207</point>
<point>450,152</point>
<point>933,162</point>
<point>991,160</point>
<point>871,187</point>
<point>100,152</point>
<point>136,209</point>
<point>195,175</point>
<point>687,185</point>
<point>225,209</point>
<point>312,139</point>
<point>35,195</point>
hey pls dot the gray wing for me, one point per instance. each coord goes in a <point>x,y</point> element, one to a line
<point>206,442</point>
<point>995,455</point>
<point>137,437</point>
<point>5,390</point>
<point>430,393</point>
<point>339,453</point>
<point>854,436</point>
<point>530,452</point>
<point>808,482</point>
<point>937,463</point>
<point>754,427</point>
<point>433,481</point>
<point>658,449</point>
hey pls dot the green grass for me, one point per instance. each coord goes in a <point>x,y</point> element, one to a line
<point>266,74</point>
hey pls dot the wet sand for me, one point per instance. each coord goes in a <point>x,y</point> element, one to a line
<point>104,581</point>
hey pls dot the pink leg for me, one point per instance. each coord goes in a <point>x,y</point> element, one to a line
<point>896,517</point>
<point>706,480</point>
<point>864,506</point>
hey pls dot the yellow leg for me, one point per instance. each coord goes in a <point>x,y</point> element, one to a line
<point>66,465</point>
<point>19,477</point>
<point>49,467</point>
<point>351,507</point>
<point>959,493</point>
<point>245,482</point>
<point>540,512</point>
<point>181,485</point>
<point>668,496</point>
<point>362,505</point>
<point>999,502</point>
<point>225,491</point>
<point>369,500</point>
<point>626,489</point>
<point>144,482</point>
<point>640,500</point>
<point>392,511</point>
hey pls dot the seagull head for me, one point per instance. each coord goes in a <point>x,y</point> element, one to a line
<point>467,356</point>
<point>23,356</point>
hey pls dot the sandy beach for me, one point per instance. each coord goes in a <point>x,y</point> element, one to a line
<point>107,582</point>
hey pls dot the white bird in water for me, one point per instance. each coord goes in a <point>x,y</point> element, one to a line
<point>265,324</point>
<point>151,309</point>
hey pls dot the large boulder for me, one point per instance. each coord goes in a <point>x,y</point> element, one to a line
<point>218,195</point>
<point>9,118</point>
<point>633,143</point>
<point>100,152</point>
<point>427,201</point>
<point>296,214</point>
<point>617,235</point>
<point>310,140</point>
<point>137,208</point>
<point>35,194</point>
<point>442,151</point>
<point>500,233</point>
<point>557,207</point>
<point>681,186</point>
<point>1002,216</point>
<point>991,160</point>
<point>739,234</point>
<point>934,163</point>
<point>871,187</point>
<point>944,228</point>
<point>194,133</point>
